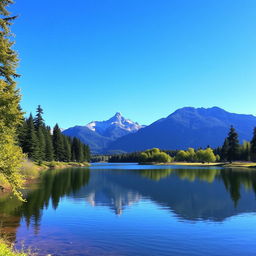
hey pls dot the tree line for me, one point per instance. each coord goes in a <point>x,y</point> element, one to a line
<point>231,150</point>
<point>40,143</point>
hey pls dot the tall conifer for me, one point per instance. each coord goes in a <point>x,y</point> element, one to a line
<point>31,145</point>
<point>11,116</point>
<point>224,150</point>
<point>233,145</point>
<point>58,144</point>
<point>49,154</point>
<point>253,146</point>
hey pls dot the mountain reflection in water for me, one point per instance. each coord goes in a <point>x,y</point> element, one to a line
<point>191,194</point>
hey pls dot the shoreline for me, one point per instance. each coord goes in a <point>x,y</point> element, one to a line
<point>31,171</point>
<point>249,165</point>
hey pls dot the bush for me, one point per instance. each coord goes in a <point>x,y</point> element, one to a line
<point>154,155</point>
<point>202,155</point>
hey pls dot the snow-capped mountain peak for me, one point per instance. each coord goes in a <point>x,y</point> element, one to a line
<point>116,126</point>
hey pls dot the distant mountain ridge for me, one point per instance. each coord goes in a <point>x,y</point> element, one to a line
<point>99,134</point>
<point>186,127</point>
<point>114,127</point>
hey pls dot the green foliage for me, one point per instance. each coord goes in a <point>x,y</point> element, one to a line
<point>10,159</point>
<point>67,149</point>
<point>39,121</point>
<point>30,143</point>
<point>202,155</point>
<point>233,145</point>
<point>6,250</point>
<point>224,150</point>
<point>218,159</point>
<point>154,155</point>
<point>231,150</point>
<point>245,151</point>
<point>122,158</point>
<point>58,144</point>
<point>253,145</point>
<point>37,142</point>
<point>49,154</point>
<point>182,156</point>
<point>206,155</point>
<point>10,114</point>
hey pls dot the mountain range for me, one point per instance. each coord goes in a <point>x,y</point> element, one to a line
<point>99,134</point>
<point>186,127</point>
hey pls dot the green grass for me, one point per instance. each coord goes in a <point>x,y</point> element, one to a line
<point>32,170</point>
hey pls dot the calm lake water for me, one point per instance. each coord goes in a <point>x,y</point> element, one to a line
<point>128,209</point>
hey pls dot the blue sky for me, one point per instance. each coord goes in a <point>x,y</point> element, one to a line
<point>87,59</point>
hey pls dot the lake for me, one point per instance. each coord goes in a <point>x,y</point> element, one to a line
<point>130,209</point>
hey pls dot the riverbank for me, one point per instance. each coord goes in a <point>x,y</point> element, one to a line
<point>32,170</point>
<point>221,164</point>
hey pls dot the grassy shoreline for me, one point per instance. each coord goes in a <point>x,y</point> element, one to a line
<point>31,171</point>
<point>222,164</point>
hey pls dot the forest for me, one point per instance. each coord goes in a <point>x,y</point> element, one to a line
<point>41,143</point>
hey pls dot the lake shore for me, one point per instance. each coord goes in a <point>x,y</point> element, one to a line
<point>31,171</point>
<point>221,164</point>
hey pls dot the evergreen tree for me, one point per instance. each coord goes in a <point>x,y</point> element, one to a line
<point>224,150</point>
<point>58,144</point>
<point>233,145</point>
<point>40,132</point>
<point>245,151</point>
<point>67,149</point>
<point>253,146</point>
<point>31,145</point>
<point>86,153</point>
<point>22,132</point>
<point>41,143</point>
<point>77,150</point>
<point>11,116</point>
<point>39,121</point>
<point>49,155</point>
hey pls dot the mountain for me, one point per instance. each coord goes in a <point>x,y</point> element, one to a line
<point>115,127</point>
<point>188,127</point>
<point>99,134</point>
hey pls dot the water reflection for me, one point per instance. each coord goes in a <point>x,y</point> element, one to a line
<point>54,185</point>
<point>192,194</point>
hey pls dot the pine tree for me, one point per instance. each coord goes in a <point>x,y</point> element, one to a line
<point>233,145</point>
<point>31,144</point>
<point>40,132</point>
<point>224,150</point>
<point>39,121</point>
<point>77,150</point>
<point>253,146</point>
<point>245,151</point>
<point>10,154</point>
<point>86,153</point>
<point>67,149</point>
<point>22,132</point>
<point>41,143</point>
<point>58,144</point>
<point>49,155</point>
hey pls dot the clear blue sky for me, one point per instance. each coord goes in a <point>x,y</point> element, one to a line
<point>85,60</point>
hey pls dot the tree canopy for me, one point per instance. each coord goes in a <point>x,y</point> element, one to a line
<point>10,114</point>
